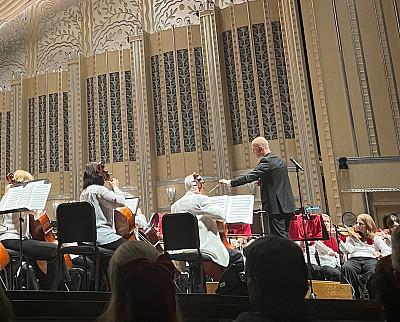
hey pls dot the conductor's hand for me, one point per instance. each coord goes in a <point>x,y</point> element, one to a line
<point>225,181</point>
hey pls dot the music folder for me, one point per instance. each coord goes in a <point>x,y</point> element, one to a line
<point>236,209</point>
<point>132,204</point>
<point>31,195</point>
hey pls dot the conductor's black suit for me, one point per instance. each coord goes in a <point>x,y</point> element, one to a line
<point>276,192</point>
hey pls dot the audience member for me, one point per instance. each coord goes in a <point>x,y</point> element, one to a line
<point>384,284</point>
<point>142,285</point>
<point>6,311</point>
<point>277,281</point>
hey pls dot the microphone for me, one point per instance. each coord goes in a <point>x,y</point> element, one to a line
<point>298,166</point>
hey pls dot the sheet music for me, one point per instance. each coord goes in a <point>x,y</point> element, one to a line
<point>32,196</point>
<point>132,204</point>
<point>240,209</point>
<point>237,209</point>
<point>221,202</point>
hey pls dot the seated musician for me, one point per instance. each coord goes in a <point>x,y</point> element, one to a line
<point>390,222</point>
<point>327,251</point>
<point>363,247</point>
<point>195,202</point>
<point>33,249</point>
<point>104,201</point>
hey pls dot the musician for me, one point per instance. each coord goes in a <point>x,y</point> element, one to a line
<point>390,222</point>
<point>363,247</point>
<point>327,251</point>
<point>104,200</point>
<point>195,202</point>
<point>276,192</point>
<point>33,249</point>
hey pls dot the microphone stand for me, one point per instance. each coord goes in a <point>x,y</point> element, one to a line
<point>305,216</point>
<point>339,251</point>
<point>21,220</point>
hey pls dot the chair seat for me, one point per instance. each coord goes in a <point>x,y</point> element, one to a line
<point>188,256</point>
<point>85,250</point>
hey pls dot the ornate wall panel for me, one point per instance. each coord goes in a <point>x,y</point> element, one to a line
<point>53,132</point>
<point>91,120</point>
<point>42,148</point>
<point>232,88</point>
<point>130,116</point>
<point>66,125</point>
<point>103,119</point>
<point>170,89</point>
<point>31,135</point>
<point>202,99</point>
<point>8,142</point>
<point>189,138</point>
<point>116,120</point>
<point>157,105</point>
<point>113,21</point>
<point>58,32</point>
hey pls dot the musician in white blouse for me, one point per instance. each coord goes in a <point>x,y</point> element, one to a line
<point>363,249</point>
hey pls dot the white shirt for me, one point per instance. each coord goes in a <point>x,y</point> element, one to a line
<point>206,212</point>
<point>104,202</point>
<point>10,227</point>
<point>327,256</point>
<point>355,248</point>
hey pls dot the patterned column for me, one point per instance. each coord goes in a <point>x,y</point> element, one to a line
<point>141,110</point>
<point>306,146</point>
<point>75,103</point>
<point>16,119</point>
<point>215,99</point>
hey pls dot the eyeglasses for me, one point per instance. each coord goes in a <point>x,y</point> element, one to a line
<point>360,223</point>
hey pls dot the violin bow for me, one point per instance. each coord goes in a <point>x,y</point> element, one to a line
<point>213,188</point>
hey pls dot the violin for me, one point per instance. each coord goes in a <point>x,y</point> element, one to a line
<point>352,232</point>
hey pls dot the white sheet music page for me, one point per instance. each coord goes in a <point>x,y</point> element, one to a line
<point>11,200</point>
<point>240,209</point>
<point>222,202</point>
<point>132,204</point>
<point>38,196</point>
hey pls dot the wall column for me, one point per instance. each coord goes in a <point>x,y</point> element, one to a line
<point>215,98</point>
<point>141,108</point>
<point>306,145</point>
<point>75,103</point>
<point>16,119</point>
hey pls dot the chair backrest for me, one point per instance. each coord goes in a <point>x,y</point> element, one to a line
<point>76,222</point>
<point>180,231</point>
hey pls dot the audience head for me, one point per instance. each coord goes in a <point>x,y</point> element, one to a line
<point>276,273</point>
<point>390,222</point>
<point>92,175</point>
<point>142,285</point>
<point>6,310</point>
<point>366,225</point>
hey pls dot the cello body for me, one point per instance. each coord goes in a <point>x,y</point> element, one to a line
<point>4,256</point>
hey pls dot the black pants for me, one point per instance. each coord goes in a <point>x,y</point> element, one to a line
<point>279,224</point>
<point>357,271</point>
<point>331,273</point>
<point>39,250</point>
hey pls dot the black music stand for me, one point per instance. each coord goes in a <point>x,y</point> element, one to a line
<point>21,220</point>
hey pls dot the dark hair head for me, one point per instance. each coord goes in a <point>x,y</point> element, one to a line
<point>389,220</point>
<point>92,175</point>
<point>277,265</point>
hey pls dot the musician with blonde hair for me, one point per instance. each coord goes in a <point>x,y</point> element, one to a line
<point>363,248</point>
<point>33,249</point>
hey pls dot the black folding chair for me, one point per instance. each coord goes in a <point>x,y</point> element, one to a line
<point>182,243</point>
<point>77,224</point>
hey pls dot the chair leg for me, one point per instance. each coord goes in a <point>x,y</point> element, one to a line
<point>97,273</point>
<point>197,279</point>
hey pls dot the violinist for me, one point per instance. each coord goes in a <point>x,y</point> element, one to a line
<point>33,249</point>
<point>363,248</point>
<point>104,200</point>
<point>195,202</point>
<point>327,251</point>
<point>390,222</point>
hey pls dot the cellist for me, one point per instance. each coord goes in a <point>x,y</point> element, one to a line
<point>195,202</point>
<point>104,201</point>
<point>33,249</point>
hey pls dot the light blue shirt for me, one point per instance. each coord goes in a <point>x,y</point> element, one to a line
<point>104,202</point>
